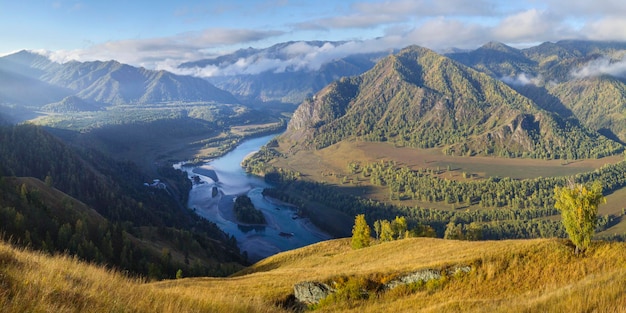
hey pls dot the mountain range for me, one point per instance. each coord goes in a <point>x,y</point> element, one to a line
<point>581,79</point>
<point>30,79</point>
<point>548,92</point>
<point>423,99</point>
<point>286,72</point>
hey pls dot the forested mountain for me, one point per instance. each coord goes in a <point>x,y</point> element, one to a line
<point>496,59</point>
<point>422,99</point>
<point>72,104</point>
<point>100,210</point>
<point>33,80</point>
<point>580,78</point>
<point>283,72</point>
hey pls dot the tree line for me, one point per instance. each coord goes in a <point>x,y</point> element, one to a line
<point>533,194</point>
<point>513,208</point>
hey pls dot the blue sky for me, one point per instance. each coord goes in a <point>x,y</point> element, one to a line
<point>161,34</point>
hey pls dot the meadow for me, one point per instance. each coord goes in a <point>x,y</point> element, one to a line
<point>506,276</point>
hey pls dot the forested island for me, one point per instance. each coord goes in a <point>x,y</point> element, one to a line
<point>245,211</point>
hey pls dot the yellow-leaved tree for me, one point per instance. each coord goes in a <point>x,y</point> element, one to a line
<point>578,205</point>
<point>360,233</point>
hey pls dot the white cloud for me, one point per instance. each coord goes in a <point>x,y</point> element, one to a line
<point>609,28</point>
<point>435,24</point>
<point>149,52</point>
<point>364,15</point>
<point>296,56</point>
<point>602,66</point>
<point>530,25</point>
<point>586,8</point>
<point>522,79</point>
<point>443,32</point>
<point>427,7</point>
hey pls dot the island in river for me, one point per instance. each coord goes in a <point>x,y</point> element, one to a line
<point>284,229</point>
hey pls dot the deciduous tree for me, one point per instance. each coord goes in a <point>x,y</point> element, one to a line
<point>578,205</point>
<point>360,233</point>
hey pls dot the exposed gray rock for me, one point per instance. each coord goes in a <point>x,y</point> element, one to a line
<point>427,275</point>
<point>422,275</point>
<point>311,292</point>
<point>459,269</point>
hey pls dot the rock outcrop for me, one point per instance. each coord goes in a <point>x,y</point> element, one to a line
<point>310,292</point>
<point>422,275</point>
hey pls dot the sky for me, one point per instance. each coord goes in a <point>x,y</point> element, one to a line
<point>162,34</point>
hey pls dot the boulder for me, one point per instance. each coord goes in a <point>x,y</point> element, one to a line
<point>422,275</point>
<point>311,292</point>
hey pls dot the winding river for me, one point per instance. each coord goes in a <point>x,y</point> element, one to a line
<point>216,185</point>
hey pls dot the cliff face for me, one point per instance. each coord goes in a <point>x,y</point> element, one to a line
<point>325,107</point>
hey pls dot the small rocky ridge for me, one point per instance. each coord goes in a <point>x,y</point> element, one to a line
<point>311,292</point>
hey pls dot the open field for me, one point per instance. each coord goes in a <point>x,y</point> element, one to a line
<point>506,276</point>
<point>615,204</point>
<point>337,157</point>
<point>331,165</point>
<point>245,130</point>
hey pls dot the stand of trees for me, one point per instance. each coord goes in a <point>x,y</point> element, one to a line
<point>246,212</point>
<point>534,194</point>
<point>514,208</point>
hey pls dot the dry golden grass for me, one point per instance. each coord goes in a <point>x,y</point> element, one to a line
<point>336,158</point>
<point>507,276</point>
<point>34,282</point>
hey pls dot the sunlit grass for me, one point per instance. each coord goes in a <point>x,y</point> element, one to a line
<point>507,276</point>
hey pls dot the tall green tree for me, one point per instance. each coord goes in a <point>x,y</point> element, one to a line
<point>399,227</point>
<point>377,229</point>
<point>360,233</point>
<point>578,205</point>
<point>386,231</point>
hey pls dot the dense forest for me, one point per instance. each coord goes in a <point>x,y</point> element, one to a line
<point>129,214</point>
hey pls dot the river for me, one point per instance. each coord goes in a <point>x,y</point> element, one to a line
<point>284,229</point>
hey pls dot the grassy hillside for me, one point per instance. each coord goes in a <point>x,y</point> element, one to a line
<point>506,276</point>
<point>98,209</point>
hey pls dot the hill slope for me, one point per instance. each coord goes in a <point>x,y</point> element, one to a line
<point>422,99</point>
<point>35,214</point>
<point>505,276</point>
<point>580,79</point>
<point>600,102</point>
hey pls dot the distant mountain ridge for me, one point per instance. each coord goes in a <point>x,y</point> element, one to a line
<point>282,73</point>
<point>420,98</point>
<point>38,81</point>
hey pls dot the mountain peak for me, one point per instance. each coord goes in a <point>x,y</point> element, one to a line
<point>26,58</point>
<point>498,46</point>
